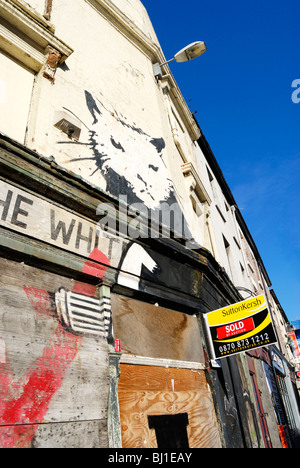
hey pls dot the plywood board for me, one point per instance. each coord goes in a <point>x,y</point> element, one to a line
<point>156,332</point>
<point>47,373</point>
<point>150,391</point>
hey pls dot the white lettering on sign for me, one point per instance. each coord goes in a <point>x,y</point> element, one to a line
<point>235,328</point>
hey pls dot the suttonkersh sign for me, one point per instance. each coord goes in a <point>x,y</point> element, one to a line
<point>240,327</point>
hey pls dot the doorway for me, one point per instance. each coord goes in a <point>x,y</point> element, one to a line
<point>166,407</point>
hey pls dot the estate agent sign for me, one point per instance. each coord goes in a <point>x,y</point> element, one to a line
<point>240,327</point>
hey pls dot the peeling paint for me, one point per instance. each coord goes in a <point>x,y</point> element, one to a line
<point>2,351</point>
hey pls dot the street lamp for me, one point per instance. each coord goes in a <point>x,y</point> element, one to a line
<point>189,52</point>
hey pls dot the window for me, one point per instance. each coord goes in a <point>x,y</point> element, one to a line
<point>228,253</point>
<point>220,213</point>
<point>254,285</point>
<point>197,207</point>
<point>28,46</point>
<point>237,243</point>
<point>218,197</point>
<point>16,84</point>
<point>210,176</point>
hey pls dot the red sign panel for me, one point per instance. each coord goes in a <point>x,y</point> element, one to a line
<point>118,346</point>
<point>236,328</point>
<point>283,437</point>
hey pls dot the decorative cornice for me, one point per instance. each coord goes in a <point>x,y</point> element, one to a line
<point>21,4</point>
<point>27,36</point>
<point>189,171</point>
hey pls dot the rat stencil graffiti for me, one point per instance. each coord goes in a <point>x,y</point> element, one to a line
<point>130,160</point>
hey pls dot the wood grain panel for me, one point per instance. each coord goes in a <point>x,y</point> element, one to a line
<point>47,373</point>
<point>162,333</point>
<point>160,379</point>
<point>152,391</point>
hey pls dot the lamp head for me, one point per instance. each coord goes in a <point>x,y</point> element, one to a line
<point>191,52</point>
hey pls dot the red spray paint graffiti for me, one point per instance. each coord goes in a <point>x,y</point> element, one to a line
<point>24,403</point>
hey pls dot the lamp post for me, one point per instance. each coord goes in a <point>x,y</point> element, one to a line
<point>189,52</point>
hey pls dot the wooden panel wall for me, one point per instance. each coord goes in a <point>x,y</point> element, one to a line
<point>156,332</point>
<point>150,391</point>
<point>53,384</point>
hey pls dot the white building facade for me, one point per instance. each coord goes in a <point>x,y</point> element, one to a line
<point>116,224</point>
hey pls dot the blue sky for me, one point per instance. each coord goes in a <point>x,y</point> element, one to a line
<point>242,91</point>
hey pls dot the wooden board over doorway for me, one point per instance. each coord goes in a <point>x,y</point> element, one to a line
<point>149,391</point>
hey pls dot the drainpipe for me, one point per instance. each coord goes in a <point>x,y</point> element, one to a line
<point>113,410</point>
<point>269,305</point>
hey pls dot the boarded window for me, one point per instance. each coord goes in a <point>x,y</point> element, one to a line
<point>156,332</point>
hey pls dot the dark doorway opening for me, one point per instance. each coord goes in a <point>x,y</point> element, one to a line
<point>171,430</point>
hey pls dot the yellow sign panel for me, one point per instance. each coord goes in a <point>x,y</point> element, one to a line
<point>237,311</point>
<point>240,327</point>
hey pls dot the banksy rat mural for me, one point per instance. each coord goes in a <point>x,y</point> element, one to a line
<point>130,161</point>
